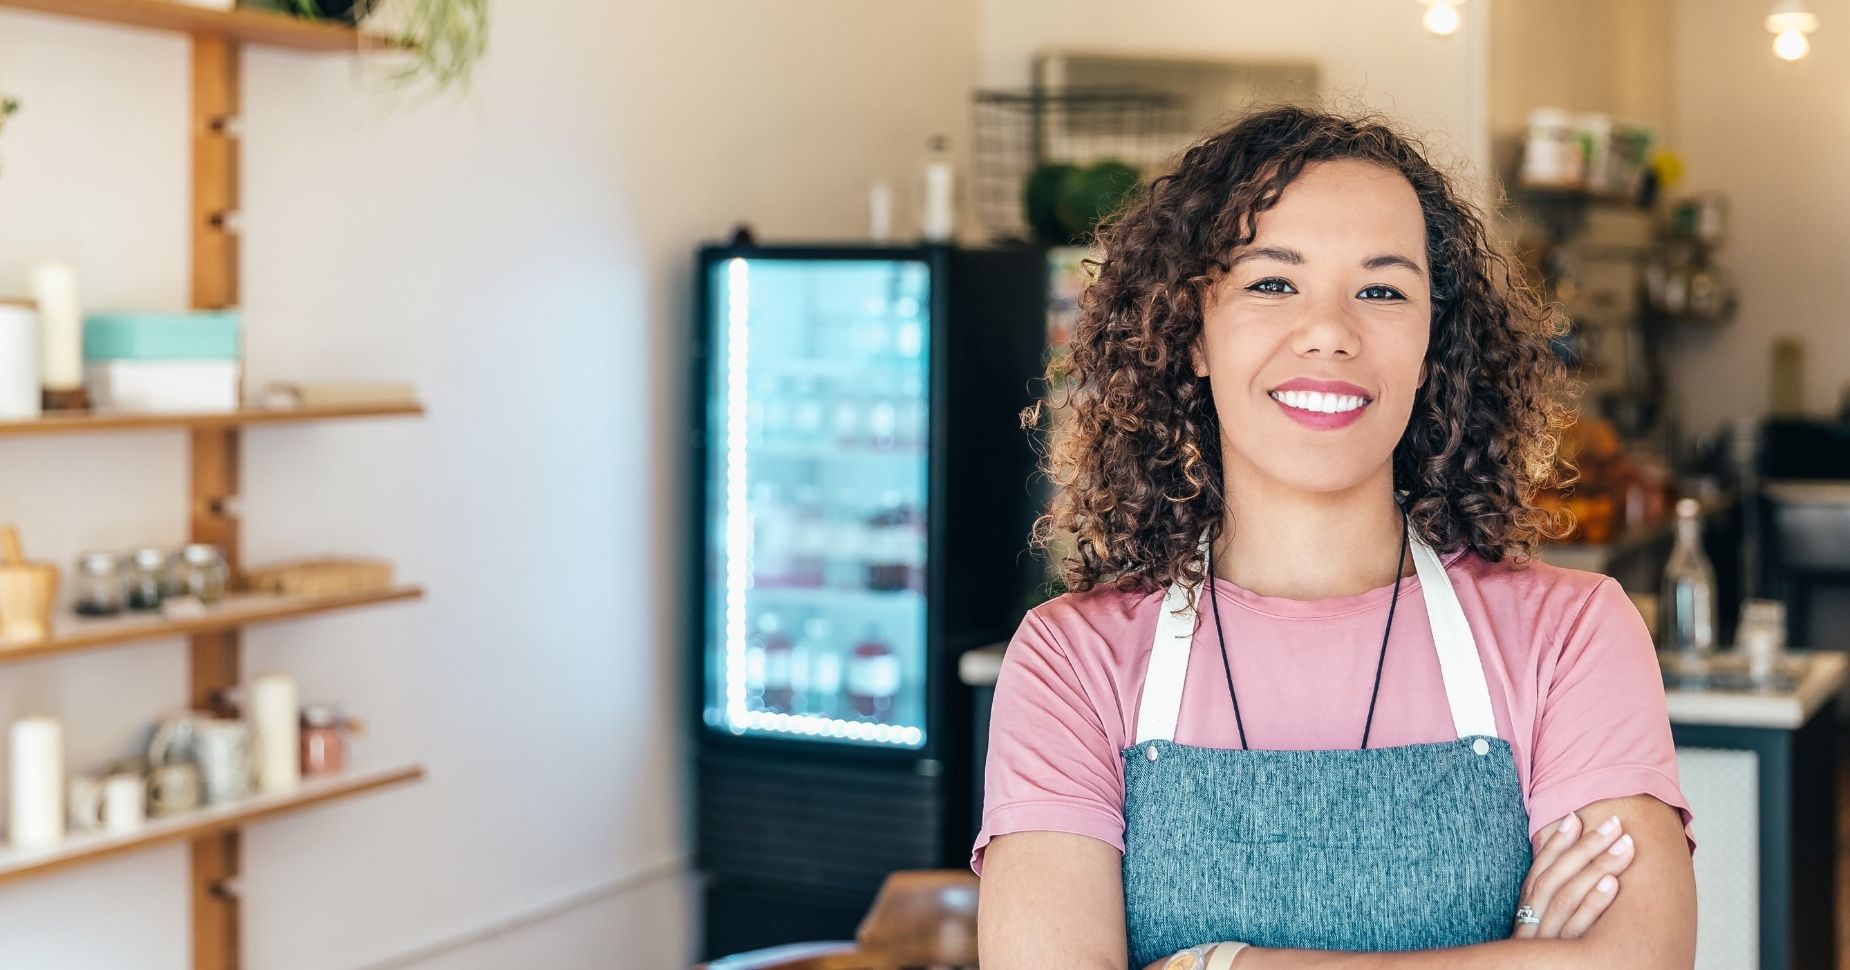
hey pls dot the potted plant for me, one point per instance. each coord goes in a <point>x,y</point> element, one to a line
<point>444,38</point>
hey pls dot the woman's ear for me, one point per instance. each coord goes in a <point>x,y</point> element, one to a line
<point>1197,358</point>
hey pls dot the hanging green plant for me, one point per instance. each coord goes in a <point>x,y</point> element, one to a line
<point>447,38</point>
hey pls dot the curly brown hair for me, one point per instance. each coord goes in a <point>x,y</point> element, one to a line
<point>1136,466</point>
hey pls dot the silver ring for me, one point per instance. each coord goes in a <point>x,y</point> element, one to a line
<point>1526,916</point>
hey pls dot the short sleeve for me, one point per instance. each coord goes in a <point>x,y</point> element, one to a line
<point>1603,731</point>
<point>1051,764</point>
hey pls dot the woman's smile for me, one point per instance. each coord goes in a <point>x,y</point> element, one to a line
<point>1321,405</point>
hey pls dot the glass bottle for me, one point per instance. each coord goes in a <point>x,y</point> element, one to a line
<point>825,669</point>
<point>1688,598</point>
<point>873,677</point>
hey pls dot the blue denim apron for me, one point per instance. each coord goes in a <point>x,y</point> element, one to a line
<point>1417,847</point>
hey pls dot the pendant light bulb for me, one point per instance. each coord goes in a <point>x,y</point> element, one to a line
<point>1789,21</point>
<point>1791,45</point>
<point>1441,17</point>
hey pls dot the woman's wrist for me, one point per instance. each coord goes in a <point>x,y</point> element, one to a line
<point>1206,956</point>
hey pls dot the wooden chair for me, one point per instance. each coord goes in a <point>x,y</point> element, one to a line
<point>920,918</point>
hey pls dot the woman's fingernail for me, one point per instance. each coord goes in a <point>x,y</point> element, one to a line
<point>1607,884</point>
<point>1609,826</point>
<point>1570,823</point>
<point>1622,846</point>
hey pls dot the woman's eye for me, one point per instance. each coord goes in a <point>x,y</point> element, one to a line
<point>1389,292</point>
<point>1271,285</point>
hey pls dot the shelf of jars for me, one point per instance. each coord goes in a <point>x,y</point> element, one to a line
<point>236,610</point>
<point>76,848</point>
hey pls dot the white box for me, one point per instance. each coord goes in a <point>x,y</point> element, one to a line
<point>163,385</point>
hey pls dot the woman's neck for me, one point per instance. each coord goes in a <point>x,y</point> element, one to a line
<point>1280,541</point>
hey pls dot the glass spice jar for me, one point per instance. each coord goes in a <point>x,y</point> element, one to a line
<point>148,576</point>
<point>324,741</point>
<point>98,588</point>
<point>203,573</point>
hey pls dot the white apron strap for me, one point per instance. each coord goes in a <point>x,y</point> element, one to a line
<point>1162,683</point>
<point>1466,690</point>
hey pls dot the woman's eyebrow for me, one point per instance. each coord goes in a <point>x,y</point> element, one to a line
<point>1285,254</point>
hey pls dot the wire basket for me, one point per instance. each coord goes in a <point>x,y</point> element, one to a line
<point>1017,131</point>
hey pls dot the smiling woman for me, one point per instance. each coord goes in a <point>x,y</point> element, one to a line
<point>1306,388</point>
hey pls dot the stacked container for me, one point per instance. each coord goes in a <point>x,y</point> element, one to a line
<point>163,361</point>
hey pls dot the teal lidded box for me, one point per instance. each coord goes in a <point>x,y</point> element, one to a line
<point>162,335</point>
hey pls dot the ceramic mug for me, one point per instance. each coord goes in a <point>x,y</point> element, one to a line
<point>173,788</point>
<point>114,803</point>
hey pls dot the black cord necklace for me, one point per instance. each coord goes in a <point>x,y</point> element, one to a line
<point>1380,662</point>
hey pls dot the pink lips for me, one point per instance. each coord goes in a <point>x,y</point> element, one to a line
<point>1318,420</point>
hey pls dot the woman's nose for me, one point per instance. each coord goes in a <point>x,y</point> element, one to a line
<point>1328,329</point>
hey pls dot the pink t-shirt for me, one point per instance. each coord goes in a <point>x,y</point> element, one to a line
<point>1574,685</point>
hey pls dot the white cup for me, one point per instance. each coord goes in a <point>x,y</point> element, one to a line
<point>116,803</point>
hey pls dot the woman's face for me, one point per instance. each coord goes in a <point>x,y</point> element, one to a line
<point>1314,342</point>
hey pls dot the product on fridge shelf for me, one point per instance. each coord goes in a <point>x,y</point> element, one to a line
<point>873,677</point>
<point>823,698</point>
<point>883,424</point>
<point>909,414</point>
<point>846,417</point>
<point>777,647</point>
<point>774,537</point>
<point>889,552</point>
<point>809,561</point>
<point>806,417</point>
<point>847,540</point>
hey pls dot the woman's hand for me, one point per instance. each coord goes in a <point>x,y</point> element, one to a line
<point>1574,878</point>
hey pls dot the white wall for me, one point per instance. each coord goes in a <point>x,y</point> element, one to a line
<point>1773,137</point>
<point>523,257</point>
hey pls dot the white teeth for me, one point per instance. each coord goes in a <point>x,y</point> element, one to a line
<point>1319,401</point>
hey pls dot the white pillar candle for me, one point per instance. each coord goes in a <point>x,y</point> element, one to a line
<point>36,781</point>
<point>273,717</point>
<point>19,362</point>
<point>61,326</point>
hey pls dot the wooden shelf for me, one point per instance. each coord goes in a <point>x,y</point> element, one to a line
<point>87,421</point>
<point>236,611</point>
<point>18,862</point>
<point>267,27</point>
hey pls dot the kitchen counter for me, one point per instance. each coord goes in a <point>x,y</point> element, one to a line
<point>1816,679</point>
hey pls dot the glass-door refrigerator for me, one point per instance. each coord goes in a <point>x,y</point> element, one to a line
<point>863,519</point>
